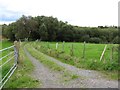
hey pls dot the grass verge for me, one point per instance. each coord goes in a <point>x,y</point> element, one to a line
<point>21,77</point>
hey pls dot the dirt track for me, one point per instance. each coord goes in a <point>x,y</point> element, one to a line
<point>51,79</point>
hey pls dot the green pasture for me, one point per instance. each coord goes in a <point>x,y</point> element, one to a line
<point>91,60</point>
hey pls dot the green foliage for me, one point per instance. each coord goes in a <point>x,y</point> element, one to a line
<point>85,38</point>
<point>95,40</point>
<point>43,32</point>
<point>115,40</point>
<point>8,31</point>
<point>50,29</point>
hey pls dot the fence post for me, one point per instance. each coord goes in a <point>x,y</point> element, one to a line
<point>56,46</point>
<point>103,52</point>
<point>71,51</point>
<point>84,50</point>
<point>16,51</point>
<point>112,53</point>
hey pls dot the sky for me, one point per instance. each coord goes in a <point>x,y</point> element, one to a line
<point>76,12</point>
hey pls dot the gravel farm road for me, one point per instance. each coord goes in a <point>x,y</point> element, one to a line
<point>52,79</point>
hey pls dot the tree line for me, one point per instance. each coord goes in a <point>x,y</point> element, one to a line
<point>51,29</point>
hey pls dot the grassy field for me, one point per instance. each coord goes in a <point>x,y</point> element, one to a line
<point>5,44</point>
<point>91,58</point>
<point>5,68</point>
<point>92,51</point>
<point>90,61</point>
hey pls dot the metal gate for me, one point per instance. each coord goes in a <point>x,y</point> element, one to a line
<point>14,57</point>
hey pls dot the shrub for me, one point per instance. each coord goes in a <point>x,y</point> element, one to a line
<point>85,38</point>
<point>115,40</point>
<point>95,40</point>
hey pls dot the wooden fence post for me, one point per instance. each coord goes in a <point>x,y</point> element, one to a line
<point>112,50</point>
<point>56,46</point>
<point>84,50</point>
<point>72,51</point>
<point>16,50</point>
<point>103,52</point>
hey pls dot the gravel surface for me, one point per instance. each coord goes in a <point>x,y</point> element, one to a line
<point>51,79</point>
<point>91,78</point>
<point>48,78</point>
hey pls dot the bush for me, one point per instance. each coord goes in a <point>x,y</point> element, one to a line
<point>85,38</point>
<point>95,40</point>
<point>110,66</point>
<point>115,40</point>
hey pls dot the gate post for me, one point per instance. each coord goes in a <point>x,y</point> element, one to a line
<point>16,51</point>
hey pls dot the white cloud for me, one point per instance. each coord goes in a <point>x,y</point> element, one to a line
<point>76,12</point>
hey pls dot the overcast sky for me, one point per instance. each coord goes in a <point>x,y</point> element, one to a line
<point>75,12</point>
